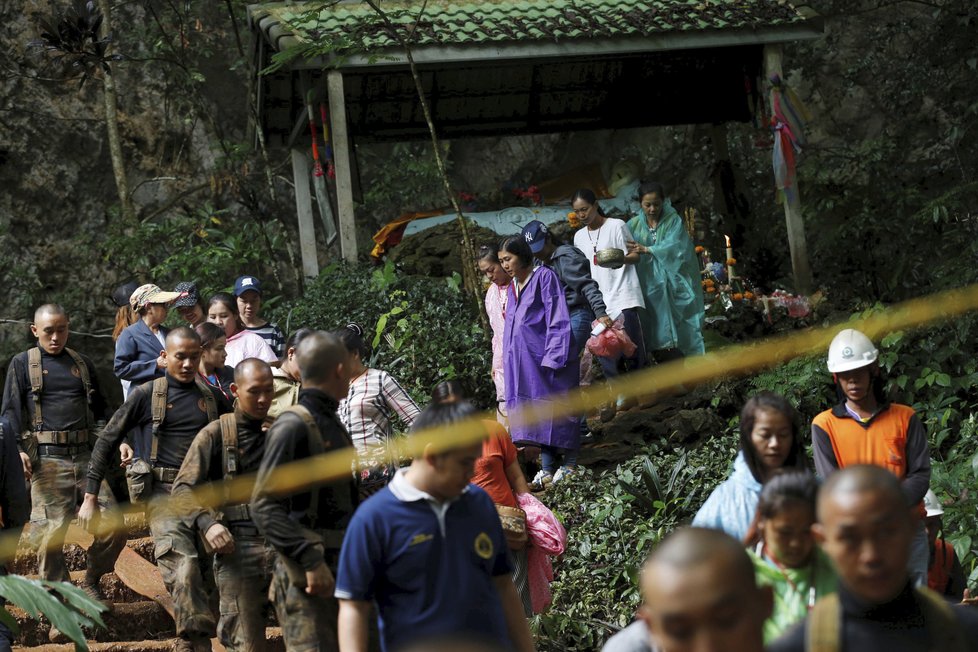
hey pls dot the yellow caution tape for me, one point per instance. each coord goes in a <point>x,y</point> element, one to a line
<point>730,361</point>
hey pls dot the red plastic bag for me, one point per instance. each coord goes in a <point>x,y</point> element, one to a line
<point>612,342</point>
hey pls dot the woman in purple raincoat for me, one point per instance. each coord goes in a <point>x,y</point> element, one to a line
<point>536,359</point>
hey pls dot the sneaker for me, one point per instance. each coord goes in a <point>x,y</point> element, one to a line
<point>541,481</point>
<point>562,473</point>
<point>191,643</point>
<point>93,591</point>
<point>57,637</point>
<point>181,644</point>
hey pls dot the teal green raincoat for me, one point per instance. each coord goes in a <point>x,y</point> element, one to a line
<point>671,283</point>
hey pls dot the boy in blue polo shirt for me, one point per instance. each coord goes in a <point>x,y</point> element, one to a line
<point>429,551</point>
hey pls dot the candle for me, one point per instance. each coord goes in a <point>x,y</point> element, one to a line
<point>730,269</point>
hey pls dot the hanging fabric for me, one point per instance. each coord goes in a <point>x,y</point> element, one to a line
<point>327,146</point>
<point>788,119</point>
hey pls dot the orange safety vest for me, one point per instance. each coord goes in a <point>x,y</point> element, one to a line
<point>939,573</point>
<point>881,442</point>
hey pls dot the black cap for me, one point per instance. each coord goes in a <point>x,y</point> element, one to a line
<point>120,296</point>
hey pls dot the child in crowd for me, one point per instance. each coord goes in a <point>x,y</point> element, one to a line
<point>213,354</point>
<point>769,441</point>
<point>247,292</point>
<point>786,557</point>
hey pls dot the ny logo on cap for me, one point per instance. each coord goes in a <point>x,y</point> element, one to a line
<point>528,236</point>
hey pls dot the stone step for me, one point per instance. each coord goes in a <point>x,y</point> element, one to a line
<point>75,555</point>
<point>135,621</point>
<point>272,634</point>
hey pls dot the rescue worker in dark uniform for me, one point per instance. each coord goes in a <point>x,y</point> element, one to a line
<point>52,400</point>
<point>167,412</point>
<point>14,510</point>
<point>228,447</point>
<point>306,528</point>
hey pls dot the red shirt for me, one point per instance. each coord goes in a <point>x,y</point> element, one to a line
<point>498,452</point>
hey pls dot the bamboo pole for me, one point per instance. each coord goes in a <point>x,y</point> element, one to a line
<point>469,280</point>
<point>110,100</point>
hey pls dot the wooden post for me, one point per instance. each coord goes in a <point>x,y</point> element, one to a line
<point>342,155</point>
<point>303,207</point>
<point>792,200</point>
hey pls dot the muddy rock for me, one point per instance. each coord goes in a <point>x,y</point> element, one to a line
<point>689,427</point>
<point>134,621</point>
<point>437,251</point>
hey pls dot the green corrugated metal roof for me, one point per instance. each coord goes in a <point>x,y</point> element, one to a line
<point>355,27</point>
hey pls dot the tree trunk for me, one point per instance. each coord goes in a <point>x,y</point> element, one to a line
<point>126,207</point>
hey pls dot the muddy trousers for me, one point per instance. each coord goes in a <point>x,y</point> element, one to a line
<point>243,580</point>
<point>186,569</point>
<point>308,621</point>
<point>57,490</point>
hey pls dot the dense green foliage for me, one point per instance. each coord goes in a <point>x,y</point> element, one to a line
<point>65,606</point>
<point>422,330</point>
<point>614,519</point>
<point>207,245</point>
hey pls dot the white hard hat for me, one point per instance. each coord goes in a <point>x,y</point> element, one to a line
<point>849,350</point>
<point>932,504</point>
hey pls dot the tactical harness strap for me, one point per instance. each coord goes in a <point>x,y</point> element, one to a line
<point>824,632</point>
<point>229,456</point>
<point>315,448</point>
<point>36,376</point>
<point>63,437</point>
<point>158,409</point>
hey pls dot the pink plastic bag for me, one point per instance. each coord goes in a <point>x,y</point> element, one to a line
<point>548,538</point>
<point>612,342</point>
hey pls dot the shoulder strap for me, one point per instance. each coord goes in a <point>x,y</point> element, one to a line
<point>209,403</point>
<point>35,376</point>
<point>158,410</point>
<point>315,448</point>
<point>86,379</point>
<point>946,634</point>
<point>824,625</point>
<point>229,444</point>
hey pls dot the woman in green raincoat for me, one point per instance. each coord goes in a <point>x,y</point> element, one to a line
<point>670,275</point>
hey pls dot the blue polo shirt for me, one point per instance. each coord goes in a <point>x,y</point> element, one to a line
<point>427,565</point>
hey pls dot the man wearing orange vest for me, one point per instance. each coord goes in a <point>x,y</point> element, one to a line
<point>865,428</point>
<point>945,575</point>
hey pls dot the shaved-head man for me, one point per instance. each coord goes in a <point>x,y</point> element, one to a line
<point>232,446</point>
<point>865,527</point>
<point>184,405</point>
<point>54,405</point>
<point>306,529</point>
<point>700,595</point>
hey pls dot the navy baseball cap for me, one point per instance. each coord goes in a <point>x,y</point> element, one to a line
<point>245,283</point>
<point>535,234</point>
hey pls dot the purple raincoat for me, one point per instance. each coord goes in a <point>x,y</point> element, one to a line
<point>536,359</point>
